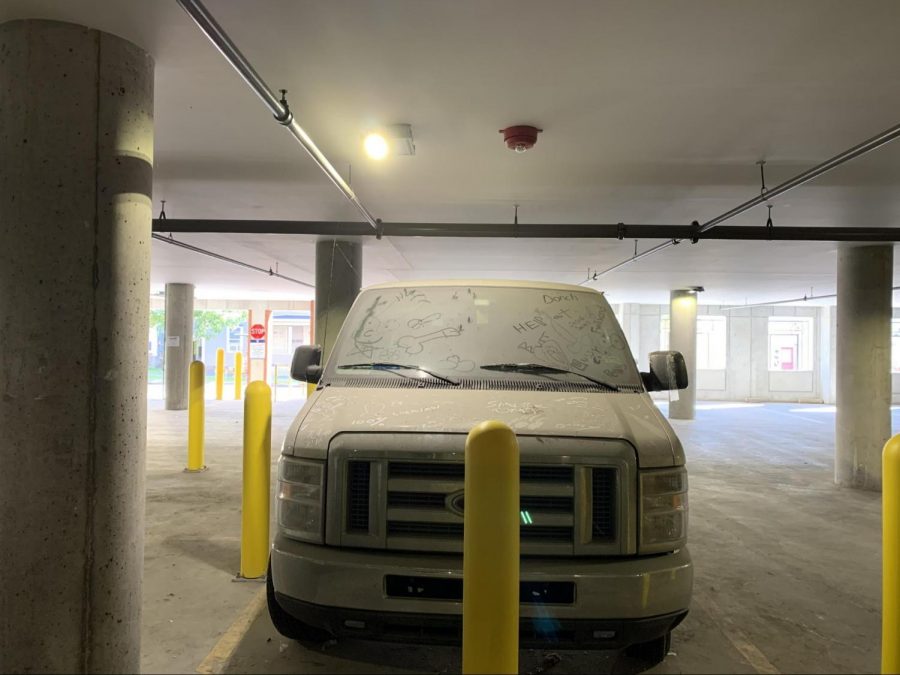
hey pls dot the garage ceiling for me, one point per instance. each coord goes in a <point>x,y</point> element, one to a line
<point>652,113</point>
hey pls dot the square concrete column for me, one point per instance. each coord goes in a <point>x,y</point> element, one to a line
<point>179,343</point>
<point>683,338</point>
<point>863,358</point>
<point>338,280</point>
<point>76,157</point>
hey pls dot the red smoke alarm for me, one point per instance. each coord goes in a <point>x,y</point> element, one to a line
<point>520,138</point>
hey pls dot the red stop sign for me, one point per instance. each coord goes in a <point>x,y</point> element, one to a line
<point>257,331</point>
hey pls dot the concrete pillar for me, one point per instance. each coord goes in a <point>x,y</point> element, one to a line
<point>863,356</point>
<point>76,142</point>
<point>683,338</point>
<point>338,280</point>
<point>826,353</point>
<point>179,343</point>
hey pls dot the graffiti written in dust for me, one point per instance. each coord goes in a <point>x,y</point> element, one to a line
<point>566,297</point>
<point>368,334</point>
<point>372,415</point>
<point>546,347</point>
<point>411,295</point>
<point>515,408</point>
<point>454,362</point>
<point>415,324</point>
<point>531,324</point>
<point>414,344</point>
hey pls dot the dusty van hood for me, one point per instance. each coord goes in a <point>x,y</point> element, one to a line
<point>632,417</point>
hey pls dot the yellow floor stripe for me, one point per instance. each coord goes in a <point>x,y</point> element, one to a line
<point>737,637</point>
<point>218,658</point>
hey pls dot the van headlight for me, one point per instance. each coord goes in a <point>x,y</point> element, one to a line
<point>301,498</point>
<point>664,510</point>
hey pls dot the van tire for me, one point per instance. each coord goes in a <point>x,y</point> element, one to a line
<point>644,655</point>
<point>287,625</point>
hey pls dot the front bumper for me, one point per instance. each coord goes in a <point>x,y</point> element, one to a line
<point>447,629</point>
<point>636,598</point>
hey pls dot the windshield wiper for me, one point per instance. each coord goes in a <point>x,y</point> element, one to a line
<point>394,367</point>
<point>541,369</point>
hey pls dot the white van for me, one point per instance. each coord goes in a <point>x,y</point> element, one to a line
<point>370,483</point>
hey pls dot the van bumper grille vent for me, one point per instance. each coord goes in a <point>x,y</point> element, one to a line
<point>603,504</point>
<point>358,474</point>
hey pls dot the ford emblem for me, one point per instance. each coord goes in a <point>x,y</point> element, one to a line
<point>455,502</point>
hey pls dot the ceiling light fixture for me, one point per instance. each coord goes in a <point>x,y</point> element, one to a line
<point>394,139</point>
<point>376,146</point>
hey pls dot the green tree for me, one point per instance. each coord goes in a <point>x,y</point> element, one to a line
<point>209,323</point>
<point>157,318</point>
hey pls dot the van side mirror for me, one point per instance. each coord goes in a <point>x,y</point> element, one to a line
<point>305,364</point>
<point>667,371</point>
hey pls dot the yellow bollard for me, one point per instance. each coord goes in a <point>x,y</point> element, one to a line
<point>220,373</point>
<point>238,366</point>
<point>196,407</point>
<point>491,551</point>
<point>257,468</point>
<point>890,570</point>
<point>310,388</point>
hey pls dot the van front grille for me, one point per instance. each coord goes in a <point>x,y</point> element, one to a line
<point>424,503</point>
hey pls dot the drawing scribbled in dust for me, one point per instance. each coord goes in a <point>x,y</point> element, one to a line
<point>460,329</point>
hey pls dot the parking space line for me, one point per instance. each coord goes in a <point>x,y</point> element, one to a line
<point>736,636</point>
<point>218,658</point>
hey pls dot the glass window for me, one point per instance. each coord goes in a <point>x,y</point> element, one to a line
<point>483,332</point>
<point>712,335</point>
<point>289,330</point>
<point>237,337</point>
<point>664,333</point>
<point>790,343</point>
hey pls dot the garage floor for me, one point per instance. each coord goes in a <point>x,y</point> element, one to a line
<point>787,565</point>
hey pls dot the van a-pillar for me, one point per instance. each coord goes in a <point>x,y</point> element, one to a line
<point>683,338</point>
<point>76,157</point>
<point>863,358</point>
<point>338,280</point>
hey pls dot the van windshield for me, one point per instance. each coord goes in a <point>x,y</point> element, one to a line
<point>458,332</point>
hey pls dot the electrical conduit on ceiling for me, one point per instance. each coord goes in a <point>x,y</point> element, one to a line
<point>279,108</point>
<point>233,261</point>
<point>856,151</point>
<point>805,298</point>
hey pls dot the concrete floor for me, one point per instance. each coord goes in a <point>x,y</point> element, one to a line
<point>787,565</point>
<point>193,530</point>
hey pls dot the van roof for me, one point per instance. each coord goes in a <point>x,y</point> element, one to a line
<point>508,283</point>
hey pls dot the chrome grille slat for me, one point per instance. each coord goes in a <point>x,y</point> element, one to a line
<point>446,487</point>
<point>447,530</point>
<point>437,500</point>
<point>442,515</point>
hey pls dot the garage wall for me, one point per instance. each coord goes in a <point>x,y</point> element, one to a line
<point>747,376</point>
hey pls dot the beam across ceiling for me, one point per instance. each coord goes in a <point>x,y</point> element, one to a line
<point>530,231</point>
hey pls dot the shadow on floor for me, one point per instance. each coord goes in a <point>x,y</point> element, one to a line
<point>222,553</point>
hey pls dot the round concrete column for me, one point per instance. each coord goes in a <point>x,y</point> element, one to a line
<point>179,343</point>
<point>683,338</point>
<point>338,280</point>
<point>76,137</point>
<point>863,357</point>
